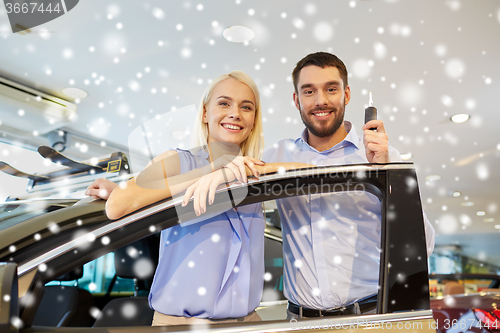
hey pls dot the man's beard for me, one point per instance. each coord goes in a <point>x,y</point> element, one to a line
<point>322,132</point>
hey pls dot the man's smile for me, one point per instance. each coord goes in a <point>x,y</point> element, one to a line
<point>322,114</point>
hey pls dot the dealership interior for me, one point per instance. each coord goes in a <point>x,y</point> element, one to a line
<point>89,82</point>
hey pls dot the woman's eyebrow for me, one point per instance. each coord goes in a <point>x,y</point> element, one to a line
<point>248,101</point>
<point>229,98</point>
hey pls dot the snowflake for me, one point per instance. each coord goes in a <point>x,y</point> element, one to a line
<point>215,238</point>
<point>323,31</point>
<point>129,310</point>
<point>143,268</point>
<point>202,291</point>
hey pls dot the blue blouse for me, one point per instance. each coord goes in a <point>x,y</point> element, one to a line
<point>213,268</point>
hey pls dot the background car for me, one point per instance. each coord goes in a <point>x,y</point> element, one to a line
<point>464,296</point>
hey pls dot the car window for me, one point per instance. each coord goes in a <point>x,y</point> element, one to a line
<point>271,214</point>
<point>98,274</point>
<point>445,264</point>
<point>98,277</point>
<point>273,276</point>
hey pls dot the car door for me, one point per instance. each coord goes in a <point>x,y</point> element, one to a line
<point>399,301</point>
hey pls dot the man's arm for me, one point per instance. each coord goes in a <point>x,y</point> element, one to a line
<point>429,235</point>
<point>278,166</point>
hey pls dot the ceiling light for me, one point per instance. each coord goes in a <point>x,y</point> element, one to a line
<point>456,194</point>
<point>481,213</point>
<point>467,204</point>
<point>490,219</point>
<point>497,226</point>
<point>433,178</point>
<point>406,156</point>
<point>75,93</point>
<point>238,34</point>
<point>460,118</point>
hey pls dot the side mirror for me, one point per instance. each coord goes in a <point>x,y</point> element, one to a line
<point>9,311</point>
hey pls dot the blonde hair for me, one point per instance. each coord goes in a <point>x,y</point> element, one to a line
<point>254,144</point>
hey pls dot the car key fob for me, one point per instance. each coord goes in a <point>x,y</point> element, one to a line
<point>370,112</point>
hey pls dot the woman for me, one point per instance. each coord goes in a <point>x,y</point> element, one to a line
<point>210,271</point>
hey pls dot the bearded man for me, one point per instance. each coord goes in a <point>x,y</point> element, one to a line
<point>331,242</point>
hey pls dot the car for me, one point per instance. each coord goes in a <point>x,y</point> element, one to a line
<point>66,267</point>
<point>458,298</point>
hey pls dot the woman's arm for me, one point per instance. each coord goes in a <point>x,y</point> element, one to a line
<point>154,175</point>
<point>161,180</point>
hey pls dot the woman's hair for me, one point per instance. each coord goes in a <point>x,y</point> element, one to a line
<point>254,144</point>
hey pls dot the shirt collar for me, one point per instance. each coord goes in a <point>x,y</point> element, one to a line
<point>351,138</point>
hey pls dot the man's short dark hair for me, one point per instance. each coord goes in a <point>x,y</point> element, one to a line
<point>320,59</point>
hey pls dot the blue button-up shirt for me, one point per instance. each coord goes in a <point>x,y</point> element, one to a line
<point>213,268</point>
<point>331,242</point>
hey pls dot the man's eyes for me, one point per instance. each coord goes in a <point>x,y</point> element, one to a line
<point>310,92</point>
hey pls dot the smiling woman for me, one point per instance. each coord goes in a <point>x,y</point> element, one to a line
<point>229,135</point>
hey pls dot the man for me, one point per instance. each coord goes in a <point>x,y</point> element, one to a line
<point>331,242</point>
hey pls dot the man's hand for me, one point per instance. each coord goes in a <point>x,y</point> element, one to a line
<point>376,142</point>
<point>100,188</point>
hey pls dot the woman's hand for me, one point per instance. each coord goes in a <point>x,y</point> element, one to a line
<point>100,188</point>
<point>237,165</point>
<point>206,186</point>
